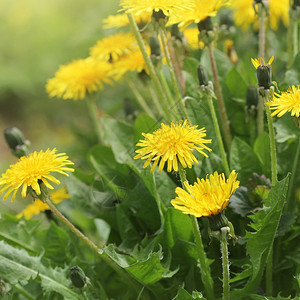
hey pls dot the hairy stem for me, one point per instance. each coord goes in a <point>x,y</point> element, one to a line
<point>225,266</point>
<point>221,104</point>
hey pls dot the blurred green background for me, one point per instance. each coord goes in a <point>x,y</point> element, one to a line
<point>37,37</point>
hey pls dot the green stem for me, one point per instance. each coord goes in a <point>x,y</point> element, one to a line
<point>292,37</point>
<point>218,133</point>
<point>140,99</point>
<point>154,97</point>
<point>221,104</point>
<point>225,265</point>
<point>172,72</point>
<point>204,267</point>
<point>252,127</point>
<point>262,32</point>
<point>260,115</point>
<point>290,202</point>
<point>150,66</point>
<point>92,107</point>
<point>22,291</point>
<point>173,107</point>
<point>126,277</point>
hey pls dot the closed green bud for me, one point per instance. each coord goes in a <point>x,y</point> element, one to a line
<point>264,76</point>
<point>16,141</point>
<point>78,277</point>
<point>202,76</point>
<point>216,222</point>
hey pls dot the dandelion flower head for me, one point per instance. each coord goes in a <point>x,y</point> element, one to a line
<point>38,206</point>
<point>170,144</point>
<point>259,62</point>
<point>206,197</point>
<point>76,79</point>
<point>30,170</point>
<point>168,7</point>
<point>121,20</point>
<point>201,10</point>
<point>191,35</point>
<point>112,47</point>
<point>244,13</point>
<point>288,101</point>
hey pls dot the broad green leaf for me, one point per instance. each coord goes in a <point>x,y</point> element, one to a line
<point>240,203</point>
<point>191,64</point>
<point>182,294</point>
<point>243,160</point>
<point>285,129</point>
<point>17,266</point>
<point>19,232</point>
<point>146,271</point>
<point>236,84</point>
<point>55,242</point>
<point>258,297</point>
<point>262,150</point>
<point>260,241</point>
<point>144,124</point>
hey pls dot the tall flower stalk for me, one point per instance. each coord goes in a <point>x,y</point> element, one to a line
<point>292,33</point>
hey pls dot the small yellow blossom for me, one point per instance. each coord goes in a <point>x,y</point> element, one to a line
<point>200,11</point>
<point>206,197</point>
<point>172,143</point>
<point>112,47</point>
<point>244,13</point>
<point>191,34</point>
<point>76,79</point>
<point>260,62</point>
<point>38,206</point>
<point>288,101</point>
<point>30,170</point>
<point>168,7</point>
<point>121,20</point>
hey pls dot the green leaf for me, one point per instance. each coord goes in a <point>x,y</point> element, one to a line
<point>19,232</point>
<point>243,160</point>
<point>236,84</point>
<point>260,241</point>
<point>262,150</point>
<point>286,129</point>
<point>182,294</point>
<point>17,266</point>
<point>240,203</point>
<point>55,241</point>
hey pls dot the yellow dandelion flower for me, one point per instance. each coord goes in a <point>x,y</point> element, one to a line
<point>59,195</point>
<point>32,169</point>
<point>288,101</point>
<point>121,20</point>
<point>38,206</point>
<point>201,10</point>
<point>33,209</point>
<point>172,143</point>
<point>206,197</point>
<point>76,79</point>
<point>112,47</point>
<point>244,14</point>
<point>132,61</point>
<point>191,34</point>
<point>168,7</point>
<point>260,62</point>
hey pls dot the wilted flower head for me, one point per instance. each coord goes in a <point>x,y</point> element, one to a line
<point>76,79</point>
<point>288,101</point>
<point>206,197</point>
<point>244,13</point>
<point>168,144</point>
<point>112,47</point>
<point>32,170</point>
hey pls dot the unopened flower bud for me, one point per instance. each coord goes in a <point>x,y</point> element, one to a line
<point>159,17</point>
<point>251,97</point>
<point>77,277</point>
<point>216,222</point>
<point>202,76</point>
<point>205,28</point>
<point>264,76</point>
<point>16,141</point>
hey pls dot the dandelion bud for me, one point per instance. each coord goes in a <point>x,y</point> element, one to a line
<point>16,141</point>
<point>251,97</point>
<point>202,76</point>
<point>205,28</point>
<point>77,277</point>
<point>216,222</point>
<point>264,76</point>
